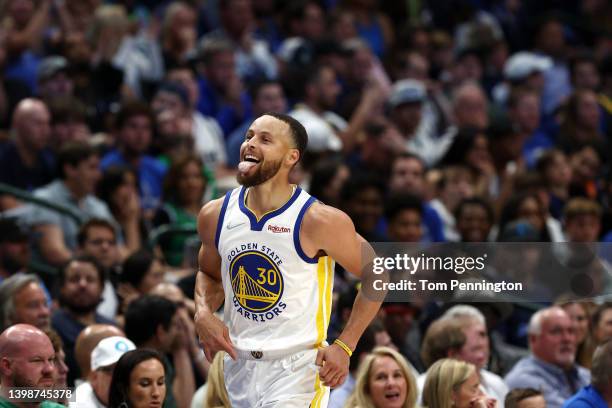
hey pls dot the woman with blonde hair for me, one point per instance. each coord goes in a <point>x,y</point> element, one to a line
<point>456,384</point>
<point>216,393</point>
<point>384,380</point>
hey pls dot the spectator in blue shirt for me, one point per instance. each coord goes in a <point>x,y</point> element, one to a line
<point>551,366</point>
<point>134,132</point>
<point>599,393</point>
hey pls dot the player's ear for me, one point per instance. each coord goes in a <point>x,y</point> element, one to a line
<point>293,156</point>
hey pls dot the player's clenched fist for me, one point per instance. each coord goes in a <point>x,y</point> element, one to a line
<point>213,334</point>
<point>334,363</point>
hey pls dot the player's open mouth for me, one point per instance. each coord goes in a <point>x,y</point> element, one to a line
<point>247,163</point>
<point>251,158</point>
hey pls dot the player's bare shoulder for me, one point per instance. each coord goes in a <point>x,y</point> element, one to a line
<point>324,222</point>
<point>208,218</point>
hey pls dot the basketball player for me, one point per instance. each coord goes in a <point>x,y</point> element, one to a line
<point>268,252</point>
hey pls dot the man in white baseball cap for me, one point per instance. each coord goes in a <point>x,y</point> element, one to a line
<point>94,392</point>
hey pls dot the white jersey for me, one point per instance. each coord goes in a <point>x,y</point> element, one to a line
<point>276,297</point>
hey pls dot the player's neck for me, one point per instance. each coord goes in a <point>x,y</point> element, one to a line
<point>268,196</point>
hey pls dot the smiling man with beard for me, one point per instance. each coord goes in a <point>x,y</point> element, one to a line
<point>80,292</point>
<point>27,359</point>
<point>268,252</point>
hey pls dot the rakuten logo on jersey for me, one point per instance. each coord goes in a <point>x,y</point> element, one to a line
<point>278,230</point>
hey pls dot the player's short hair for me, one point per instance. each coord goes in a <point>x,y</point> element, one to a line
<point>297,130</point>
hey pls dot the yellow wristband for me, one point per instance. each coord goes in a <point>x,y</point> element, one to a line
<point>344,347</point>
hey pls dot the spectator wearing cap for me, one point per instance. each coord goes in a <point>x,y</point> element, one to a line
<point>94,392</point>
<point>221,90</point>
<point>327,131</point>
<point>134,131</point>
<point>54,79</point>
<point>86,341</point>
<point>551,366</point>
<point>78,163</point>
<point>523,69</point>
<point>26,161</point>
<point>406,104</point>
<point>23,299</point>
<point>14,248</point>
<point>599,393</point>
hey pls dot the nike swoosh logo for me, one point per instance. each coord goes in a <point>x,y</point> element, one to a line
<point>232,226</point>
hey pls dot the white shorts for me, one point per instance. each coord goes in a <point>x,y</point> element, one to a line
<point>288,382</point>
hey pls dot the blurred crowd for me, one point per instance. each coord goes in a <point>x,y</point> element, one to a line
<point>428,121</point>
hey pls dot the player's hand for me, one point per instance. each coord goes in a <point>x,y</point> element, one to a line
<point>334,363</point>
<point>214,335</point>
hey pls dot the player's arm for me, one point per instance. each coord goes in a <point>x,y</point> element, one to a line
<point>333,232</point>
<point>209,294</point>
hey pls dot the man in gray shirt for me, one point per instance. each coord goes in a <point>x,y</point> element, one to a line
<point>551,366</point>
<point>79,164</point>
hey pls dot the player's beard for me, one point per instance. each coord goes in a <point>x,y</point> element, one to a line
<point>265,171</point>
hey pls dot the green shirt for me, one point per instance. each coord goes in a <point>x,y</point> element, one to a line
<point>45,404</point>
